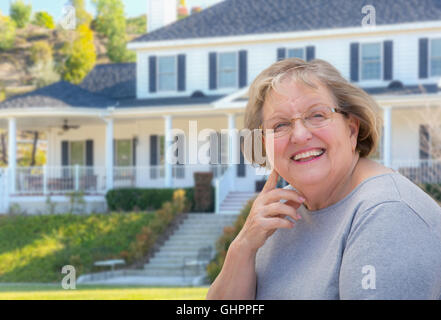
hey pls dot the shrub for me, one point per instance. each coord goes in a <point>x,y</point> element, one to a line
<point>41,52</point>
<point>129,199</point>
<point>44,19</point>
<point>7,31</point>
<point>20,13</point>
<point>223,243</point>
<point>434,190</point>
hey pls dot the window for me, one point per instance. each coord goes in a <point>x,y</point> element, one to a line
<point>77,153</point>
<point>435,57</point>
<point>371,61</point>
<point>227,70</point>
<point>123,153</point>
<point>296,53</point>
<point>167,75</point>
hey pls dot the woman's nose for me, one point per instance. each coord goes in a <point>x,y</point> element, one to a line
<point>299,133</point>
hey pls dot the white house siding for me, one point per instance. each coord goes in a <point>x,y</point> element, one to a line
<point>261,55</point>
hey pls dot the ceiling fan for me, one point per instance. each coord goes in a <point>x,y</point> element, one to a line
<point>65,127</point>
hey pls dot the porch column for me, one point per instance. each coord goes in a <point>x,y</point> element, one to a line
<point>387,143</point>
<point>109,154</point>
<point>233,145</point>
<point>168,151</point>
<point>12,152</point>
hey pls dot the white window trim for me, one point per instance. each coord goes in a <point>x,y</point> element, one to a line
<point>70,151</point>
<point>236,84</point>
<point>360,61</point>
<point>303,52</point>
<point>176,74</point>
<point>429,53</point>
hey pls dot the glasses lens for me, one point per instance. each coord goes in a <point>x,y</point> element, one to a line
<point>317,116</point>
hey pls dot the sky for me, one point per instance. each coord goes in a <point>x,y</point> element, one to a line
<point>133,8</point>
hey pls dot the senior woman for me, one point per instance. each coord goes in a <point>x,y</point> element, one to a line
<point>346,227</point>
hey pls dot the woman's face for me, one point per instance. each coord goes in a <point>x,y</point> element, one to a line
<point>338,138</point>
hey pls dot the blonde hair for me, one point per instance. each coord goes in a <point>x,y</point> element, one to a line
<point>350,99</point>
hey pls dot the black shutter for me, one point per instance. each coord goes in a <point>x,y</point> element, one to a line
<point>241,166</point>
<point>243,73</point>
<point>134,144</point>
<point>65,157</point>
<point>180,155</point>
<point>153,156</point>
<point>64,153</point>
<point>424,137</point>
<point>89,153</point>
<point>423,58</point>
<point>354,52</point>
<point>152,74</point>
<point>181,72</point>
<point>281,54</point>
<point>212,70</point>
<point>388,60</point>
<point>310,53</point>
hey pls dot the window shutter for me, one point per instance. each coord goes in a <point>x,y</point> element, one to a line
<point>89,153</point>
<point>310,53</point>
<point>214,148</point>
<point>354,52</point>
<point>181,72</point>
<point>153,156</point>
<point>212,70</point>
<point>281,54</point>
<point>243,69</point>
<point>152,74</point>
<point>388,60</point>
<point>134,144</point>
<point>114,153</point>
<point>423,58</point>
<point>424,136</point>
<point>64,153</point>
<point>241,166</point>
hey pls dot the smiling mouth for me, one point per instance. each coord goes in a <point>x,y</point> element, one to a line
<point>309,158</point>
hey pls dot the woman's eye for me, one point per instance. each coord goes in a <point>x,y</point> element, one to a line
<point>316,115</point>
<point>281,126</point>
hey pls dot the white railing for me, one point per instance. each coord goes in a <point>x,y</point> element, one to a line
<point>223,185</point>
<point>59,179</point>
<point>419,171</point>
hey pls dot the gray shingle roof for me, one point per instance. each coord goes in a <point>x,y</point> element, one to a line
<point>116,80</point>
<point>59,94</point>
<point>172,101</point>
<point>242,17</point>
<point>404,90</point>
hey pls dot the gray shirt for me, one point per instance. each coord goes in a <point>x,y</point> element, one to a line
<point>382,241</point>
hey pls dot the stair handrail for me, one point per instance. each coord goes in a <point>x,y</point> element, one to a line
<point>223,185</point>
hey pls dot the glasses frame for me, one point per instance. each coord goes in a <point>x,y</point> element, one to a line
<point>302,118</point>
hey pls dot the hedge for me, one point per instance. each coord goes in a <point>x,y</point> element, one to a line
<point>130,199</point>
<point>434,190</point>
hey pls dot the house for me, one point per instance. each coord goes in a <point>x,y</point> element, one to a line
<point>191,77</point>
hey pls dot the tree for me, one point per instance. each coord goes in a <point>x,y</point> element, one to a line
<point>44,19</point>
<point>81,15</point>
<point>110,22</point>
<point>7,32</point>
<point>20,13</point>
<point>81,56</point>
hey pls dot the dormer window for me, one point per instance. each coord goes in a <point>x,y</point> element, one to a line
<point>227,70</point>
<point>371,61</point>
<point>167,73</point>
<point>296,53</point>
<point>435,57</point>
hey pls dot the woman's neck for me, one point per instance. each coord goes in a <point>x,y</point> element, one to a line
<point>327,194</point>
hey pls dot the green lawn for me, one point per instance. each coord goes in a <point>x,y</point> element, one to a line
<point>91,292</point>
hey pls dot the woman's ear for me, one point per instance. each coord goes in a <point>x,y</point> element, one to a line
<point>354,127</point>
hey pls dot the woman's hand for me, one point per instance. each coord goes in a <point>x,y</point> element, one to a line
<point>268,214</point>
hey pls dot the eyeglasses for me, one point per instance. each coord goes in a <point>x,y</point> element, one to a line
<point>315,117</point>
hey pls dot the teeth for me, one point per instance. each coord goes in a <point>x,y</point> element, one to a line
<point>308,154</point>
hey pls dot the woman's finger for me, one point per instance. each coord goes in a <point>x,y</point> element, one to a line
<point>282,194</point>
<point>279,209</point>
<point>271,183</point>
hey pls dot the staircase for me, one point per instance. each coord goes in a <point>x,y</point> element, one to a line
<point>235,201</point>
<point>197,231</point>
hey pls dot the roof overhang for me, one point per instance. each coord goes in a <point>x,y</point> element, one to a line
<point>386,30</point>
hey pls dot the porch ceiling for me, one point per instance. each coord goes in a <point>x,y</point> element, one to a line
<point>44,123</point>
